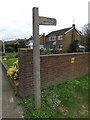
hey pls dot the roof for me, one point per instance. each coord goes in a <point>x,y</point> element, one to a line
<point>31,38</point>
<point>62,31</point>
<point>11,42</point>
<point>30,44</point>
<point>58,32</point>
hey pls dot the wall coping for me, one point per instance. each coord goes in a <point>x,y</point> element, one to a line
<point>65,54</point>
<point>49,55</point>
<point>24,49</point>
<point>5,66</point>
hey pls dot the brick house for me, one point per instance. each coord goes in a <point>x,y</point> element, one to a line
<point>62,39</point>
<point>41,39</point>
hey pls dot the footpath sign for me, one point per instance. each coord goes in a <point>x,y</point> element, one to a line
<point>37,20</point>
<point>47,21</point>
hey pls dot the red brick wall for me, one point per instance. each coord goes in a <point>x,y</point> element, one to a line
<point>55,69</point>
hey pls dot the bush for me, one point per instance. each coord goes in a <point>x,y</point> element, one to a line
<point>10,49</point>
<point>3,54</point>
<point>46,52</point>
<point>13,71</point>
<point>61,52</point>
<point>74,46</point>
<point>16,56</point>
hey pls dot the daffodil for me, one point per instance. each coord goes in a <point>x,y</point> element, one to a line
<point>13,71</point>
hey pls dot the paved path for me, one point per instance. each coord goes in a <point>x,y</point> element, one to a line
<point>0,90</point>
<point>10,109</point>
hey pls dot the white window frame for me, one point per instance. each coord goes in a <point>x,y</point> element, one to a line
<point>52,38</point>
<point>60,37</point>
<point>61,46</point>
<point>49,38</point>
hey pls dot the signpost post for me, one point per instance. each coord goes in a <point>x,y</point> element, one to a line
<point>37,20</point>
<point>3,47</point>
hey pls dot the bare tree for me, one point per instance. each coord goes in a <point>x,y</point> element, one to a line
<point>86,36</point>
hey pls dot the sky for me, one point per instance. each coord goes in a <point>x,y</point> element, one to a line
<point>16,16</point>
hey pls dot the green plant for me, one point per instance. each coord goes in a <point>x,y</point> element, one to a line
<point>13,71</point>
<point>46,52</point>
<point>74,46</point>
<point>11,54</point>
<point>3,54</point>
<point>16,93</point>
<point>9,62</point>
<point>60,101</point>
<point>49,102</point>
<point>61,52</point>
<point>10,49</point>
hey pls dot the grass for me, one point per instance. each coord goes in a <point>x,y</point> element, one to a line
<point>68,100</point>
<point>9,62</point>
<point>11,54</point>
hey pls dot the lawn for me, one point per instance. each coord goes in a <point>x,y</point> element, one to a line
<point>9,62</point>
<point>11,54</point>
<point>68,100</point>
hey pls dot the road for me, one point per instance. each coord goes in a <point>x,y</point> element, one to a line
<point>10,109</point>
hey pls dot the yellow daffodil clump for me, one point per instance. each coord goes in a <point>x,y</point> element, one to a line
<point>13,71</point>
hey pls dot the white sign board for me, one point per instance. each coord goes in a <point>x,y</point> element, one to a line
<point>47,21</point>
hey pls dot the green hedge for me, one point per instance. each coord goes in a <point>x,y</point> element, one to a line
<point>12,47</point>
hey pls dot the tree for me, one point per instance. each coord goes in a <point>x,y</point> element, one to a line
<point>1,47</point>
<point>86,36</point>
<point>22,43</point>
<point>74,46</point>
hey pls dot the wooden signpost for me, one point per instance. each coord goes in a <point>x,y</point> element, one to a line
<point>47,21</point>
<point>37,20</point>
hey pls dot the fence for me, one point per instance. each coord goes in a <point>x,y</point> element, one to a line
<point>55,69</point>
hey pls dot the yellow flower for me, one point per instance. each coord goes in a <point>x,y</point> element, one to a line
<point>13,71</point>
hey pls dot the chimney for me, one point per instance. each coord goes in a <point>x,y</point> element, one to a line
<point>73,32</point>
<point>43,38</point>
<point>43,34</point>
<point>73,25</point>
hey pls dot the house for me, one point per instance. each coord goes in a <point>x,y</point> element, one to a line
<point>41,39</point>
<point>11,42</point>
<point>62,39</point>
<point>14,41</point>
<point>81,48</point>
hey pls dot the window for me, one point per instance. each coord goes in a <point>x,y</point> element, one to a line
<point>49,38</point>
<point>60,46</point>
<point>52,38</point>
<point>60,37</point>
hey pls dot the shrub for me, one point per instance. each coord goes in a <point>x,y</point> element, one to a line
<point>74,46</point>
<point>16,56</point>
<point>13,71</point>
<point>46,52</point>
<point>3,54</point>
<point>10,49</point>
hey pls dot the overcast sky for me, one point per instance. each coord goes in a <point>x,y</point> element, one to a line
<point>16,16</point>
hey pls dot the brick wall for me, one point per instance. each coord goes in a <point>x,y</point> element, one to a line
<point>55,69</point>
